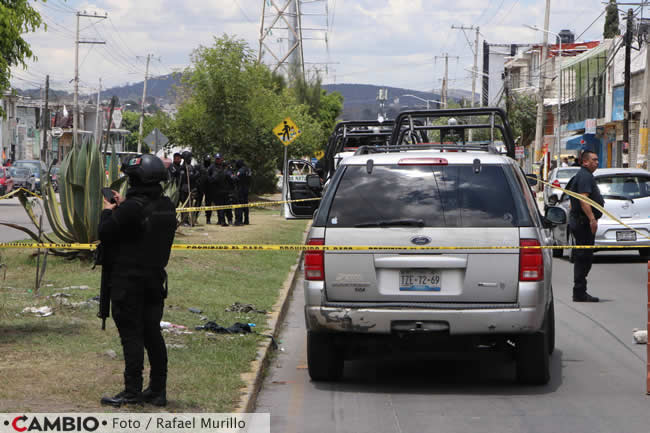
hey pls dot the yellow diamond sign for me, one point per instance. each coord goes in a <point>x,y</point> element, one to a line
<point>287,131</point>
<point>319,154</point>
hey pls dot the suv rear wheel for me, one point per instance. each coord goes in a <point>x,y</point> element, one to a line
<point>533,363</point>
<point>324,360</point>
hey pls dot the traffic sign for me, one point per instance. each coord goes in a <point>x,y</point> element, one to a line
<point>117,118</point>
<point>57,132</point>
<point>319,154</point>
<point>287,131</point>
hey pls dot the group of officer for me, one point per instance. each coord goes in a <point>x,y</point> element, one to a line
<point>215,181</point>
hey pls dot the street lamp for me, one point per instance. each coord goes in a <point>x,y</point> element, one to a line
<point>559,93</point>
<point>424,100</point>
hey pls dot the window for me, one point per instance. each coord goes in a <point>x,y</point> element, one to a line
<point>624,187</point>
<point>439,196</point>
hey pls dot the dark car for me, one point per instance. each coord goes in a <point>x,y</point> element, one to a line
<point>37,167</point>
<point>6,181</point>
<point>23,177</point>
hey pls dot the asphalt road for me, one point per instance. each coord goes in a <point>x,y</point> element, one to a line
<point>597,385</point>
<point>11,211</point>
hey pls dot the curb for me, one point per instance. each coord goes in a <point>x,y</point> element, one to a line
<point>255,378</point>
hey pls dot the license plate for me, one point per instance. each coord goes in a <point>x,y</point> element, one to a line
<point>419,281</point>
<point>625,235</point>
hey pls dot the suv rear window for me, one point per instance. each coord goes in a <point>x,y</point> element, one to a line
<point>436,196</point>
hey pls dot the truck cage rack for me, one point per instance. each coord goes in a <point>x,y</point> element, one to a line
<point>413,124</point>
<point>453,147</point>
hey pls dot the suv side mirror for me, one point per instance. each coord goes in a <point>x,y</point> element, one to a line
<point>555,216</point>
<point>531,182</point>
<point>313,182</point>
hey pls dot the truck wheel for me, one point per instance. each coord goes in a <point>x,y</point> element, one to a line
<point>324,360</point>
<point>533,364</point>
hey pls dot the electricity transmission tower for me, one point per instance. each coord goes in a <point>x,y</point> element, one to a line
<point>284,28</point>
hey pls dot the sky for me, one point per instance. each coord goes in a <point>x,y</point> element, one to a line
<point>398,43</point>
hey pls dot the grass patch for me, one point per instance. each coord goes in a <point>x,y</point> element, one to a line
<point>59,363</point>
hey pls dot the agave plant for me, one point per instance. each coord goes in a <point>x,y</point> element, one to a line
<point>82,176</point>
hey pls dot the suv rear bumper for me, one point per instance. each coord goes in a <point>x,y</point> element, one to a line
<point>479,320</point>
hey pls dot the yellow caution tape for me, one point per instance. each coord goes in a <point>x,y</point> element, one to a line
<point>289,247</point>
<point>593,204</point>
<point>238,206</point>
<point>16,191</point>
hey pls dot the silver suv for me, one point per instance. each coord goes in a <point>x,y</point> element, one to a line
<point>446,193</point>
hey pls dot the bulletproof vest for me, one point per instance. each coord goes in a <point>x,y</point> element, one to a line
<point>147,245</point>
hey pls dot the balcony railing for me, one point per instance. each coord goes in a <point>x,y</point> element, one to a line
<point>589,107</point>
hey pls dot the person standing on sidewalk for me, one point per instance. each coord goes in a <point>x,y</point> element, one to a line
<point>137,233</point>
<point>583,223</point>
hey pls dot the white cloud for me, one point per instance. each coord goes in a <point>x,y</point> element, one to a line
<point>386,42</point>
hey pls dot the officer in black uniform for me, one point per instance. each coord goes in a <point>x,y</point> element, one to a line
<point>137,233</point>
<point>231,194</point>
<point>202,188</point>
<point>175,168</point>
<point>243,185</point>
<point>217,187</point>
<point>583,223</point>
<point>188,179</point>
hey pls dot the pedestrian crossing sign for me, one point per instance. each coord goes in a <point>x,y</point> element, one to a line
<point>287,131</point>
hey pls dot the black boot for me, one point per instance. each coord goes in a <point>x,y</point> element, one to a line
<point>156,394</point>
<point>122,398</point>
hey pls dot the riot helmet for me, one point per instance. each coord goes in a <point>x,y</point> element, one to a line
<point>187,156</point>
<point>144,169</point>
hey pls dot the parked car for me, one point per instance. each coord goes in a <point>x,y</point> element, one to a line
<point>443,193</point>
<point>627,196</point>
<point>6,181</point>
<point>38,169</point>
<point>23,177</point>
<point>558,177</point>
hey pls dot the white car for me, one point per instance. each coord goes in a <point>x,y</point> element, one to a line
<point>557,177</point>
<point>627,196</point>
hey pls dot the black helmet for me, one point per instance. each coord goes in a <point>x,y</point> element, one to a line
<point>207,158</point>
<point>145,169</point>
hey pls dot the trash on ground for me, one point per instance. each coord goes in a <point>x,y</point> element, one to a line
<point>166,325</point>
<point>195,310</point>
<point>640,336</point>
<point>111,354</point>
<point>203,318</point>
<point>40,312</point>
<point>59,295</point>
<point>175,346</point>
<point>237,328</point>
<point>238,307</point>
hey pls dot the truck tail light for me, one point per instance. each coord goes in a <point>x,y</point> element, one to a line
<point>531,261</point>
<point>315,261</point>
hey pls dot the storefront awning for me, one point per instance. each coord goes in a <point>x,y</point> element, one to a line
<point>581,141</point>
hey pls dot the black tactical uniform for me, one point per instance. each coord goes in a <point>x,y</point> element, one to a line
<point>217,187</point>
<point>137,236</point>
<point>231,193</point>
<point>202,188</point>
<point>243,185</point>
<point>188,179</point>
<point>175,169</point>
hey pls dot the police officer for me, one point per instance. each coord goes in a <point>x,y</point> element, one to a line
<point>243,185</point>
<point>231,194</point>
<point>217,187</point>
<point>583,223</point>
<point>188,178</point>
<point>137,233</point>
<point>202,187</point>
<point>175,168</point>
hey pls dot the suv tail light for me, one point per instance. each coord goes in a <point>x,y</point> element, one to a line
<point>531,261</point>
<point>315,261</point>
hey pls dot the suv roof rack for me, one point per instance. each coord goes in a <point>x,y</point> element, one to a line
<point>409,122</point>
<point>489,147</point>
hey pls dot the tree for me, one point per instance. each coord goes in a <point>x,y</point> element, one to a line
<point>523,117</point>
<point>611,21</point>
<point>16,17</point>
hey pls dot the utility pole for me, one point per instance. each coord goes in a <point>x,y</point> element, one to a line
<point>45,122</point>
<point>75,125</point>
<point>144,96</point>
<point>474,49</point>
<point>445,81</point>
<point>626,86</point>
<point>643,132</point>
<point>98,127</point>
<point>486,74</point>
<point>539,127</point>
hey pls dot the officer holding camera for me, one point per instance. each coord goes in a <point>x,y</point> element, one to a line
<point>137,233</point>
